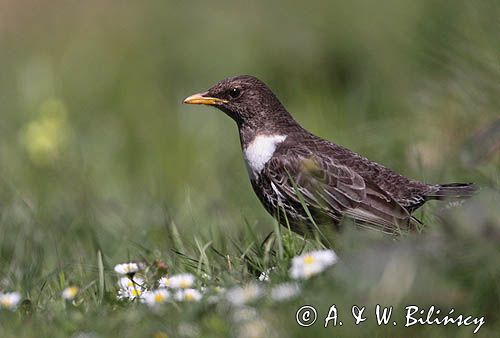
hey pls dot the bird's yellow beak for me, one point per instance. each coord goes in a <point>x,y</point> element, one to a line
<point>201,98</point>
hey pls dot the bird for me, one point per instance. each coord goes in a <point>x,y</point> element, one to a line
<point>307,182</point>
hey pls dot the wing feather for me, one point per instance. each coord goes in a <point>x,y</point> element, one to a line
<point>335,190</point>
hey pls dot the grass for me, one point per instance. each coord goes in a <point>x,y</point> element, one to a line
<point>100,163</point>
<point>449,267</point>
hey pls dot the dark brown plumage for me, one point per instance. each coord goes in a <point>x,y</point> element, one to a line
<point>291,168</point>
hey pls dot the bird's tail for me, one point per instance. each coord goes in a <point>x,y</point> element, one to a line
<point>454,191</point>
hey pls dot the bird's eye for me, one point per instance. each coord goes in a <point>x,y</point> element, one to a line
<point>234,93</point>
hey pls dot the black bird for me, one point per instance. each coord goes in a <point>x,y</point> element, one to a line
<point>306,181</point>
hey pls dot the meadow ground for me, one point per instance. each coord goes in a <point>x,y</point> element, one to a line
<point>101,164</point>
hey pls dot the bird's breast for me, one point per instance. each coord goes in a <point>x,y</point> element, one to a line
<point>259,151</point>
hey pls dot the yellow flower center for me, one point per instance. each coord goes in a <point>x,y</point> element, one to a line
<point>184,284</point>
<point>136,292</point>
<point>71,291</point>
<point>189,296</point>
<point>159,297</point>
<point>309,259</point>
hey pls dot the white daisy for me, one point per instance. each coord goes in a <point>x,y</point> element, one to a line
<point>136,293</point>
<point>70,293</point>
<point>188,295</point>
<point>242,295</point>
<point>10,300</point>
<point>285,291</point>
<point>179,281</point>
<point>128,268</point>
<point>156,297</point>
<point>126,282</point>
<point>312,263</point>
<point>131,289</point>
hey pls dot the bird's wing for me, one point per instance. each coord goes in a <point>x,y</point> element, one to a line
<point>336,190</point>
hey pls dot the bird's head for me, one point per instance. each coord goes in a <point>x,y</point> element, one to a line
<point>244,98</point>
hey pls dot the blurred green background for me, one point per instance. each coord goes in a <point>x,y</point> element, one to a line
<point>98,153</point>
